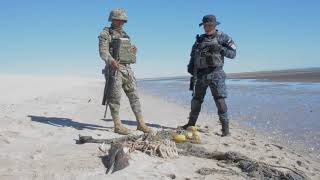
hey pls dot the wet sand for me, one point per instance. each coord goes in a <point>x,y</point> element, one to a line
<point>286,111</point>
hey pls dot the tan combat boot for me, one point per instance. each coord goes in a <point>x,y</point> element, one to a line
<point>119,128</point>
<point>142,126</point>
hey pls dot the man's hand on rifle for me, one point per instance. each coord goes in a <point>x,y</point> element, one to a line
<point>115,65</point>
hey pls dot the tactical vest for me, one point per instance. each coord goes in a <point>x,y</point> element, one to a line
<point>205,55</point>
<point>120,48</point>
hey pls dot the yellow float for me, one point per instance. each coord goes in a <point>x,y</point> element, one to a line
<point>192,128</point>
<point>179,138</point>
<point>189,134</point>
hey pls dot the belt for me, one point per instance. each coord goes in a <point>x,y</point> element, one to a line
<point>203,72</point>
<point>211,75</point>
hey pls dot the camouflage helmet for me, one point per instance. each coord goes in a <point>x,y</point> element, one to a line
<point>118,14</point>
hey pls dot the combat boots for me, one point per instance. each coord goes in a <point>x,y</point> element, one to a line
<point>225,128</point>
<point>142,126</point>
<point>119,128</point>
<point>225,124</point>
<point>191,122</point>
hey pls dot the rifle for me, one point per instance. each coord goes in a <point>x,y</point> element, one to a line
<point>195,75</point>
<point>107,87</point>
<point>194,78</point>
<point>110,73</point>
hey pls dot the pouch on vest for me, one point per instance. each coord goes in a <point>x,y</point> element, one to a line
<point>207,56</point>
<point>122,51</point>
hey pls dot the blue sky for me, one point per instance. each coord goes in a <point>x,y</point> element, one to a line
<point>60,37</point>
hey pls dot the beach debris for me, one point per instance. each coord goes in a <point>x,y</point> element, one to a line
<point>208,171</point>
<point>253,143</point>
<point>172,176</point>
<point>90,139</point>
<point>251,168</point>
<point>273,157</point>
<point>162,145</point>
<point>4,139</point>
<point>316,169</point>
<point>159,144</point>
<point>226,144</point>
<point>163,149</point>
<point>193,128</point>
<point>116,159</point>
<point>103,148</point>
<point>190,135</point>
<point>302,164</point>
<point>278,146</point>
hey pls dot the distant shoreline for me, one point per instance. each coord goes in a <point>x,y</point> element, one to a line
<point>290,75</point>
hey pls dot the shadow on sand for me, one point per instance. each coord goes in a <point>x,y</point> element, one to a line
<point>66,122</point>
<point>134,123</point>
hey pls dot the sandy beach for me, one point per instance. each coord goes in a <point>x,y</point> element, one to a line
<point>41,117</point>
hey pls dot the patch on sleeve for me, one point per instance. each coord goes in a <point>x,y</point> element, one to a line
<point>233,46</point>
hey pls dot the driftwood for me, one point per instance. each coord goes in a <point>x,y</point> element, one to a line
<point>90,139</point>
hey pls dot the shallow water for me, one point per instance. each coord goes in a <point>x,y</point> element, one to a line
<point>285,109</point>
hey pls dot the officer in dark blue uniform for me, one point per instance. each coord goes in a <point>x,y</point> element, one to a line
<point>206,66</point>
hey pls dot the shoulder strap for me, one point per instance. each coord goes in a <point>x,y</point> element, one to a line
<point>111,32</point>
<point>125,35</point>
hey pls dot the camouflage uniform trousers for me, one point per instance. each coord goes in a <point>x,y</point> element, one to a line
<point>124,79</point>
<point>216,82</point>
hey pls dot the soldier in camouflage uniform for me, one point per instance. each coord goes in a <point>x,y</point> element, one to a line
<point>122,74</point>
<point>206,66</point>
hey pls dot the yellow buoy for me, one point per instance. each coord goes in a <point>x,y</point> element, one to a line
<point>189,134</point>
<point>179,138</point>
<point>192,128</point>
<point>196,133</point>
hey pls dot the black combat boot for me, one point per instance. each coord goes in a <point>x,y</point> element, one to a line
<point>225,124</point>
<point>191,122</point>
<point>225,128</point>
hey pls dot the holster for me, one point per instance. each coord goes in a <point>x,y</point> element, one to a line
<point>191,83</point>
